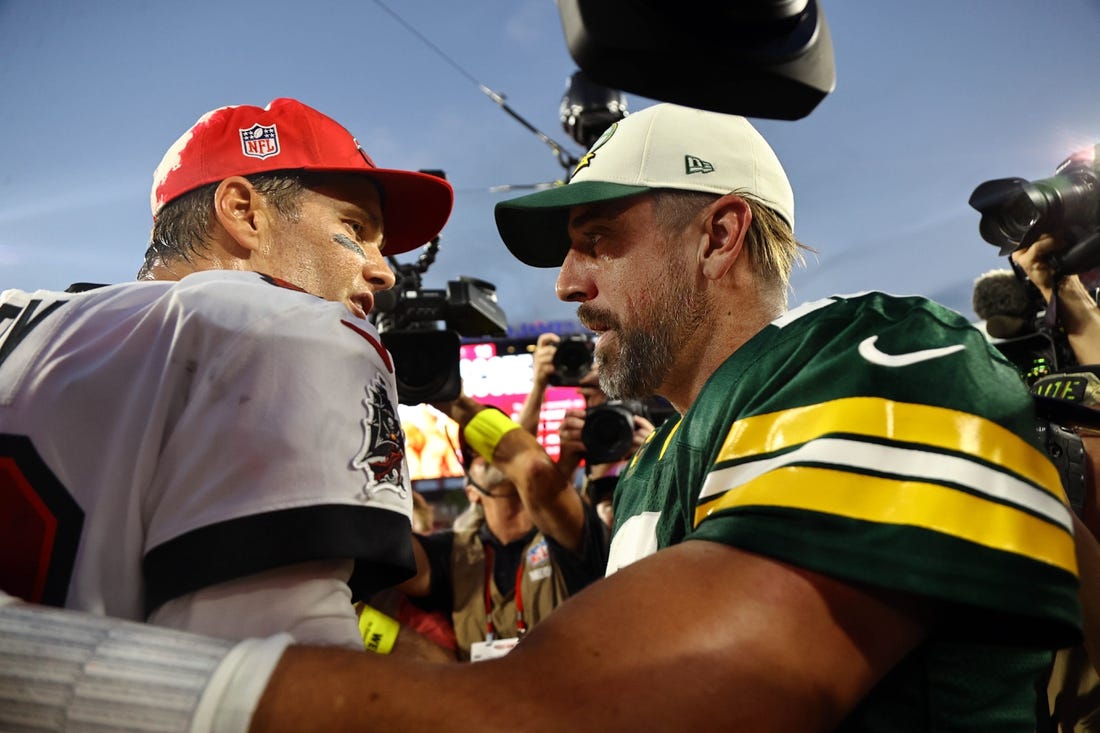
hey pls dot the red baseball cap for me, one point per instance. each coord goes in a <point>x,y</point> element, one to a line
<point>288,135</point>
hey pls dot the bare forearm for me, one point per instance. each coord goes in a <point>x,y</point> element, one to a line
<point>1081,318</point>
<point>596,658</point>
<point>532,409</point>
<point>548,494</point>
<point>554,504</point>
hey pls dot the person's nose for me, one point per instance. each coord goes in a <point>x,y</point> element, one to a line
<point>377,272</point>
<point>574,282</point>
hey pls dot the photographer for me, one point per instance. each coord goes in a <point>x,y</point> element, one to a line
<point>538,541</point>
<point>599,477</point>
<point>1078,318</point>
<point>1073,679</point>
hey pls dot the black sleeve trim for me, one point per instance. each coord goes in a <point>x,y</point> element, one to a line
<point>438,546</point>
<point>578,569</point>
<point>379,540</point>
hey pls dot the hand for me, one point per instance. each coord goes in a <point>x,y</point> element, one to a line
<point>461,410</point>
<point>1035,262</point>
<point>1078,313</point>
<point>571,447</point>
<point>642,429</point>
<point>545,348</point>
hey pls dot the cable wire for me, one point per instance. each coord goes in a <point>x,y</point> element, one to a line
<point>565,158</point>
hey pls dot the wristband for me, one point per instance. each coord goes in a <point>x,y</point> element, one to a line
<point>379,630</point>
<point>485,431</point>
<point>77,670</point>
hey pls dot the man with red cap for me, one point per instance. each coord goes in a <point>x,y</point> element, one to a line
<point>216,447</point>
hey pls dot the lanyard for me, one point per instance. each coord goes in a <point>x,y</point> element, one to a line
<point>521,627</point>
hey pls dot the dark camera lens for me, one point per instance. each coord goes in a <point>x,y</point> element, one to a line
<point>426,365</point>
<point>572,361</point>
<point>1018,216</point>
<point>1015,212</point>
<point>608,432</point>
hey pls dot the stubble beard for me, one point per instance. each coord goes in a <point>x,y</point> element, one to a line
<point>645,352</point>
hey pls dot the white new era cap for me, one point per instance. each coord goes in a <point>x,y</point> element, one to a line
<point>663,146</point>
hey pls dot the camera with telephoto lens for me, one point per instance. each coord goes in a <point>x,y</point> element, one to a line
<point>1016,212</point>
<point>573,360</point>
<point>608,432</point>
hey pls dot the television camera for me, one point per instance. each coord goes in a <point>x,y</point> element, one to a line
<point>408,316</point>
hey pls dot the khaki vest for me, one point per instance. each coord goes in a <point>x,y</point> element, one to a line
<point>540,594</point>
<point>1073,694</point>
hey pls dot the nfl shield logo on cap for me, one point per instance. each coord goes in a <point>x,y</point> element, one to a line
<point>260,141</point>
<point>286,135</point>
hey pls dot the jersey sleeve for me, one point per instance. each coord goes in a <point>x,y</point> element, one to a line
<point>894,449</point>
<point>282,446</point>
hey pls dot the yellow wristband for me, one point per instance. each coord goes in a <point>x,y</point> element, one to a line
<point>379,630</point>
<point>486,430</point>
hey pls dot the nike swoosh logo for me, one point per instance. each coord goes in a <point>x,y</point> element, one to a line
<point>871,353</point>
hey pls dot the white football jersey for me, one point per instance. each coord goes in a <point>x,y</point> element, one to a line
<point>157,438</point>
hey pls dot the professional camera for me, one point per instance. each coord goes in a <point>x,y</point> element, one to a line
<point>1015,212</point>
<point>408,317</point>
<point>1045,362</point>
<point>426,356</point>
<point>572,361</point>
<point>608,432</point>
<point>1058,394</point>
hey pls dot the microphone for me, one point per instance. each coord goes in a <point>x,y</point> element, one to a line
<point>1001,300</point>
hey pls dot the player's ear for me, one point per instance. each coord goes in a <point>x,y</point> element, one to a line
<point>725,224</point>
<point>241,211</point>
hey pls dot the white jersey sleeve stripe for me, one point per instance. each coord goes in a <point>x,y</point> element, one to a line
<point>905,464</point>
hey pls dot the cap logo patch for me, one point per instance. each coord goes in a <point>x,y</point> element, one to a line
<point>696,165</point>
<point>586,159</point>
<point>260,141</point>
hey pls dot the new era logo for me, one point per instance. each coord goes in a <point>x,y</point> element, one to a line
<point>696,165</point>
<point>260,141</point>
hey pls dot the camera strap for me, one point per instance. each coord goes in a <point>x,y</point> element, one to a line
<point>521,625</point>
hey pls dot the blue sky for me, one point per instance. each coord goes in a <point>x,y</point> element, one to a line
<point>932,98</point>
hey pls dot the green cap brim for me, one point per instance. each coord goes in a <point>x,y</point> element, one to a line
<point>535,227</point>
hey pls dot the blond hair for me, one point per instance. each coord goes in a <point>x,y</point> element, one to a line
<point>773,250</point>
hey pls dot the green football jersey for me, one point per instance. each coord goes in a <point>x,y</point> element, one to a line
<point>880,440</point>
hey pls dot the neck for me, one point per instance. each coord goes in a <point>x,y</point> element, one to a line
<point>709,347</point>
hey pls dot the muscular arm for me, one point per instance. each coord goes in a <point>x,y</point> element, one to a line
<point>752,644</point>
<point>555,506</point>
